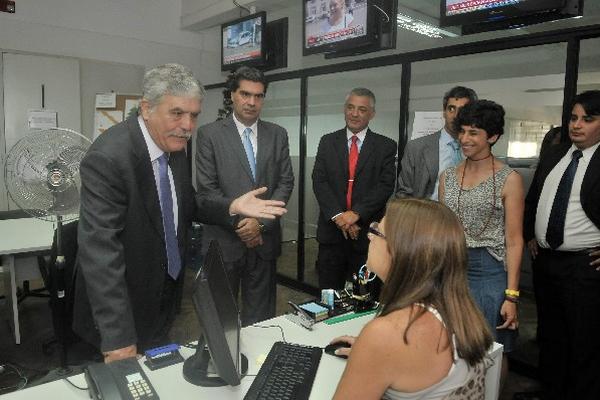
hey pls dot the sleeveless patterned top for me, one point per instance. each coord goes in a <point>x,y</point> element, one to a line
<point>484,225</point>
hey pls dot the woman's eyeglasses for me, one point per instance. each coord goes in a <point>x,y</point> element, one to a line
<point>374,229</point>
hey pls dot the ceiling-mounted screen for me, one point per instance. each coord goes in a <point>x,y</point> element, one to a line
<point>466,12</point>
<point>243,42</point>
<point>333,25</point>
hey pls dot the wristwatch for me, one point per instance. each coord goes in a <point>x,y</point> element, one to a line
<point>261,227</point>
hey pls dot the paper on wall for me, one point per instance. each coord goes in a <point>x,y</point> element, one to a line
<point>426,123</point>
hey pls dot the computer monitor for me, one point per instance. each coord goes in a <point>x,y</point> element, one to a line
<point>222,362</point>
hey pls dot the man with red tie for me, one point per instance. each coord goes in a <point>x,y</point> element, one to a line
<point>353,177</point>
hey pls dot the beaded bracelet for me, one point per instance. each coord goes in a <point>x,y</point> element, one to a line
<point>512,299</point>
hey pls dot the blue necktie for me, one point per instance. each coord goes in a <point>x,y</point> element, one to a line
<point>555,233</point>
<point>249,151</point>
<point>457,155</point>
<point>166,207</point>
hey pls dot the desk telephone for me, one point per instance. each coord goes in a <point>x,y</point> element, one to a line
<point>119,380</point>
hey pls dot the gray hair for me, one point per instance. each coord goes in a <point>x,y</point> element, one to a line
<point>170,79</point>
<point>362,92</point>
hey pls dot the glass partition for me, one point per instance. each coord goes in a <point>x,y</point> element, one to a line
<point>282,106</point>
<point>531,94</point>
<point>326,95</point>
<point>589,65</point>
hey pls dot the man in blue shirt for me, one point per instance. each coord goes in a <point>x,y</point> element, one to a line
<point>426,157</point>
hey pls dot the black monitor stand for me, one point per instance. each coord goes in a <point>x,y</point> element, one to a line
<point>196,368</point>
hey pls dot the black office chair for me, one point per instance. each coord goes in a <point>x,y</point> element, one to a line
<point>25,291</point>
<point>58,282</point>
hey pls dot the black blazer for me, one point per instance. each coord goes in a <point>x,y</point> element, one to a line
<point>590,187</point>
<point>373,182</point>
<point>122,259</point>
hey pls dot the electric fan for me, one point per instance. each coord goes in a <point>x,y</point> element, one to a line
<point>42,177</point>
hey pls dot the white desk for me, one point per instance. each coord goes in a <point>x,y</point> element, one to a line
<point>170,384</point>
<point>19,237</point>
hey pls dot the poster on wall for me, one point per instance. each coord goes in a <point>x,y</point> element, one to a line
<point>426,123</point>
<point>42,119</point>
<point>105,119</point>
<point>123,106</point>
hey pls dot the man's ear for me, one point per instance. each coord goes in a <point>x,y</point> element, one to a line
<point>493,139</point>
<point>145,109</point>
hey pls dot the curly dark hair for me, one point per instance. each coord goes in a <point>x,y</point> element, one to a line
<point>482,114</point>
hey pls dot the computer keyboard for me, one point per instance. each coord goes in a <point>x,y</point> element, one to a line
<point>287,373</point>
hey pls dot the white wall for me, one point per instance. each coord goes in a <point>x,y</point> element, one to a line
<point>139,32</point>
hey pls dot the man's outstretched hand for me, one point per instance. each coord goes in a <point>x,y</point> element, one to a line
<point>250,205</point>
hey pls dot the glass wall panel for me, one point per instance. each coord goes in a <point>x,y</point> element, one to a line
<point>326,95</point>
<point>530,93</point>
<point>589,65</point>
<point>282,106</point>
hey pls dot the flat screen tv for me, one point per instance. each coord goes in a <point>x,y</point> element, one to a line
<point>337,25</point>
<point>468,12</point>
<point>218,360</point>
<point>242,42</point>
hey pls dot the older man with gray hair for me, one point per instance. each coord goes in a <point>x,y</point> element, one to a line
<point>137,202</point>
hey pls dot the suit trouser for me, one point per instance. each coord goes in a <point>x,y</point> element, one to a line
<point>259,289</point>
<point>165,317</point>
<point>337,262</point>
<point>569,316</point>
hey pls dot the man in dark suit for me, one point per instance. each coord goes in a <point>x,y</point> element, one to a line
<point>426,157</point>
<point>137,203</point>
<point>353,177</point>
<point>235,155</point>
<point>562,230</point>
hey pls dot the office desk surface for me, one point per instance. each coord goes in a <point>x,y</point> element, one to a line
<point>25,235</point>
<point>256,341</point>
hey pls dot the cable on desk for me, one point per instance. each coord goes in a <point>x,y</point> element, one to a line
<point>272,326</point>
<point>74,385</point>
<point>22,379</point>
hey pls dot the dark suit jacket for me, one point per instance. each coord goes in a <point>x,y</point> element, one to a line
<point>122,258</point>
<point>223,173</point>
<point>373,182</point>
<point>590,187</point>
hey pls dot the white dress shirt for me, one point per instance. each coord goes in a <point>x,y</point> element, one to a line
<point>580,231</point>
<point>155,152</point>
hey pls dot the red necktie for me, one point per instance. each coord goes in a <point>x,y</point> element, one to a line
<point>352,160</point>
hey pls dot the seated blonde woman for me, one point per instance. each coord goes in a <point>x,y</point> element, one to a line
<point>429,339</point>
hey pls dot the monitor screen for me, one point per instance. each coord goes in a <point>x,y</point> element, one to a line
<point>243,42</point>
<point>464,12</point>
<point>331,25</point>
<point>221,363</point>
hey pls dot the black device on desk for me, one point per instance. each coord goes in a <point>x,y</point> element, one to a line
<point>287,373</point>
<point>122,379</point>
<point>218,361</point>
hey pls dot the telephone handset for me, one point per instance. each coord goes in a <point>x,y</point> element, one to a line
<point>119,380</point>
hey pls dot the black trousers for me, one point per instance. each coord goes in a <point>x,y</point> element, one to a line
<point>337,262</point>
<point>569,325</point>
<point>259,286</point>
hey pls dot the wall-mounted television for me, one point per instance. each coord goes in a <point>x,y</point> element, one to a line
<point>501,14</point>
<point>348,27</point>
<point>243,42</point>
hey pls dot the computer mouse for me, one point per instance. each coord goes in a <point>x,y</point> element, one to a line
<point>332,347</point>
